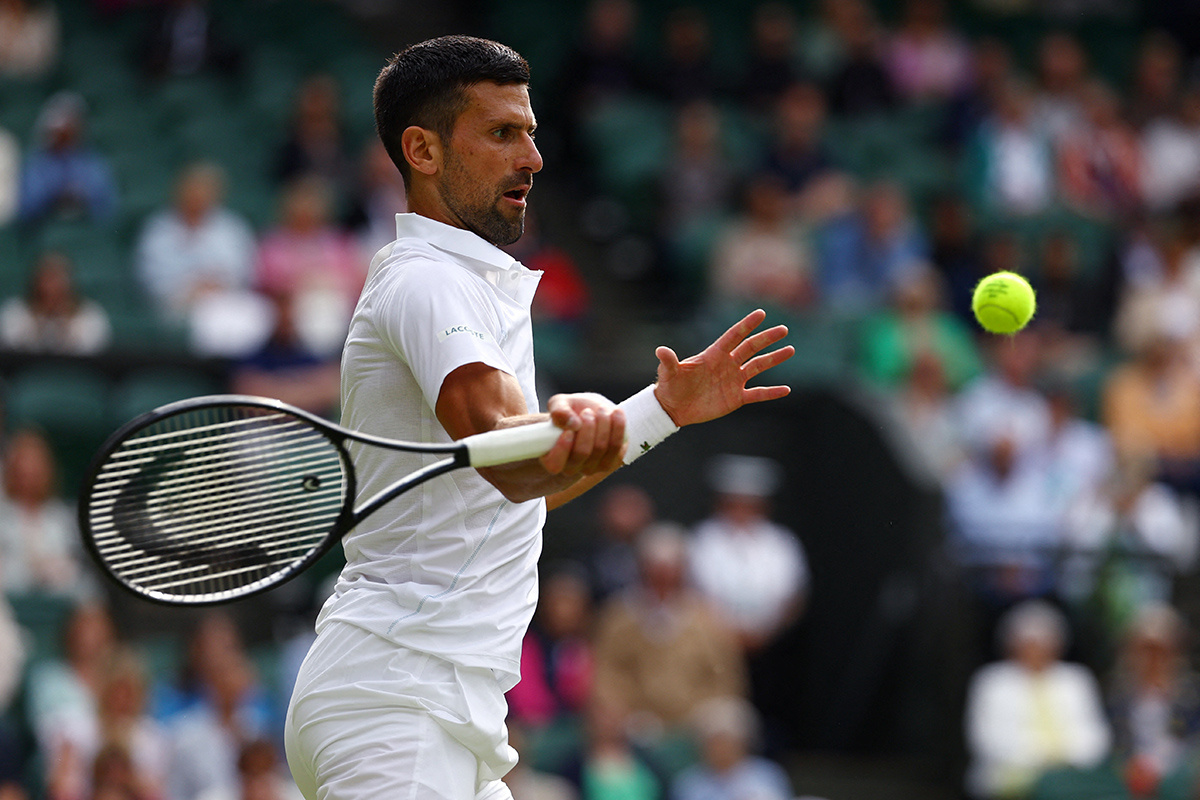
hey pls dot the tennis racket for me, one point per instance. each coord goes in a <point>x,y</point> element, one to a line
<point>216,498</point>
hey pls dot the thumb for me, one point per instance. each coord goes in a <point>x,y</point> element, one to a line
<point>668,362</point>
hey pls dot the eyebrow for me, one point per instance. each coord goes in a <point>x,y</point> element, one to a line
<point>509,124</point>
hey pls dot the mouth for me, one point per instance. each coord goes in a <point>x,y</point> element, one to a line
<point>517,195</point>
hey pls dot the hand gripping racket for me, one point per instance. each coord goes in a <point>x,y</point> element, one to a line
<point>215,498</point>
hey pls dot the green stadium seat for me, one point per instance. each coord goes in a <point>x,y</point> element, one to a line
<point>146,390</point>
<point>69,403</point>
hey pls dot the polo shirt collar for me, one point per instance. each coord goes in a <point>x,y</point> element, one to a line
<point>457,241</point>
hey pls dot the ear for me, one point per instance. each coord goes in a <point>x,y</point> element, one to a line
<point>422,149</point>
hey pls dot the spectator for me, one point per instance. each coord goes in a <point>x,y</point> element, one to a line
<point>556,656</point>
<point>753,570</point>
<point>1160,293</point>
<point>604,65</point>
<point>696,185</point>
<point>1004,402</point>
<point>208,737</point>
<point>315,143</point>
<point>955,249</point>
<point>260,776</point>
<point>63,176</point>
<point>1005,523</point>
<point>377,198</point>
<point>927,59</point>
<point>182,38</point>
<point>863,255</point>
<point>1062,75</point>
<point>85,743</point>
<point>1031,711</point>
<point>763,256</point>
<point>626,510</point>
<point>1010,163</point>
<point>213,642</point>
<point>727,728</point>
<point>29,38</point>
<point>1100,157</point>
<point>287,368</point>
<point>1154,700</point>
<point>1129,538</point>
<point>195,259</point>
<point>1170,146</point>
<point>1157,80</point>
<point>798,153</point>
<point>51,317</point>
<point>862,87</point>
<point>114,776</point>
<point>685,74</point>
<point>923,411</point>
<point>991,71</point>
<point>563,297</point>
<point>123,720</point>
<point>610,763</point>
<point>562,306</point>
<point>918,323</point>
<point>660,649</point>
<point>1079,452</point>
<point>824,40</point>
<point>63,699</point>
<point>306,255</point>
<point>770,65</point>
<point>1151,406</point>
<point>1070,317</point>
<point>39,539</point>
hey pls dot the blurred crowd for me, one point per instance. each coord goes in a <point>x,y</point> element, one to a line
<point>853,171</point>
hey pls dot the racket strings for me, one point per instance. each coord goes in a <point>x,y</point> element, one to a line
<point>210,500</point>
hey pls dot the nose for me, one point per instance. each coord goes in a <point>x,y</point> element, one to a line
<point>530,159</point>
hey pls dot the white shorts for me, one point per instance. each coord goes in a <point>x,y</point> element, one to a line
<point>370,720</point>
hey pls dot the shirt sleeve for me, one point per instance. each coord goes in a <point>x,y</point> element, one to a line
<point>438,317</point>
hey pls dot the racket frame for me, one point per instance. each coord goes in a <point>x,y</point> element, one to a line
<point>457,455</point>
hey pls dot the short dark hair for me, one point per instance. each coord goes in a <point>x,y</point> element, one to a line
<point>425,85</point>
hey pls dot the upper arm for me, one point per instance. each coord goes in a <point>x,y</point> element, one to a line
<point>475,397</point>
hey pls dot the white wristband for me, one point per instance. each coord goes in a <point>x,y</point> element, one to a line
<point>646,423</point>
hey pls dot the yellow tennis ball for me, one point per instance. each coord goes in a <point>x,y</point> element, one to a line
<point>1003,302</point>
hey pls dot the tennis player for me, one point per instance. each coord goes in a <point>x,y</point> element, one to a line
<point>402,693</point>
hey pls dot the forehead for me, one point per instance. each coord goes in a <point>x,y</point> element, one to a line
<point>493,102</point>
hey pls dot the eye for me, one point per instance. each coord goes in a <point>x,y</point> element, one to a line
<point>500,133</point>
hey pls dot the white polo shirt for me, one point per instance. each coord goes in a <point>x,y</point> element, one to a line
<point>449,568</point>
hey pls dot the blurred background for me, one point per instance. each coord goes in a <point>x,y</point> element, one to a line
<point>949,565</point>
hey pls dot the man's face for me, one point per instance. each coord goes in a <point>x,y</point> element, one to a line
<point>489,162</point>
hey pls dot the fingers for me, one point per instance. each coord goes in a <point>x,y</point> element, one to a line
<point>563,413</point>
<point>730,338</point>
<point>555,460</point>
<point>759,394</point>
<point>597,445</point>
<point>758,342</point>
<point>760,364</point>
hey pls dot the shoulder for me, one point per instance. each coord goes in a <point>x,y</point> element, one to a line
<point>416,271</point>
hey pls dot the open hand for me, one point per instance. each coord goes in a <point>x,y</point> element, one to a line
<point>713,383</point>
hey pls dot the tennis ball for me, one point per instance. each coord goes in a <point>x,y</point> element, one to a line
<point>1003,302</point>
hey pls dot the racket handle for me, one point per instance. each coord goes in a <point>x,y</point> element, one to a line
<point>511,444</point>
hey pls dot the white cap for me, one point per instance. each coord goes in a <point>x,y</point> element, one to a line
<point>750,476</point>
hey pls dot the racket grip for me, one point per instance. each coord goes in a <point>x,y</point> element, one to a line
<point>518,443</point>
